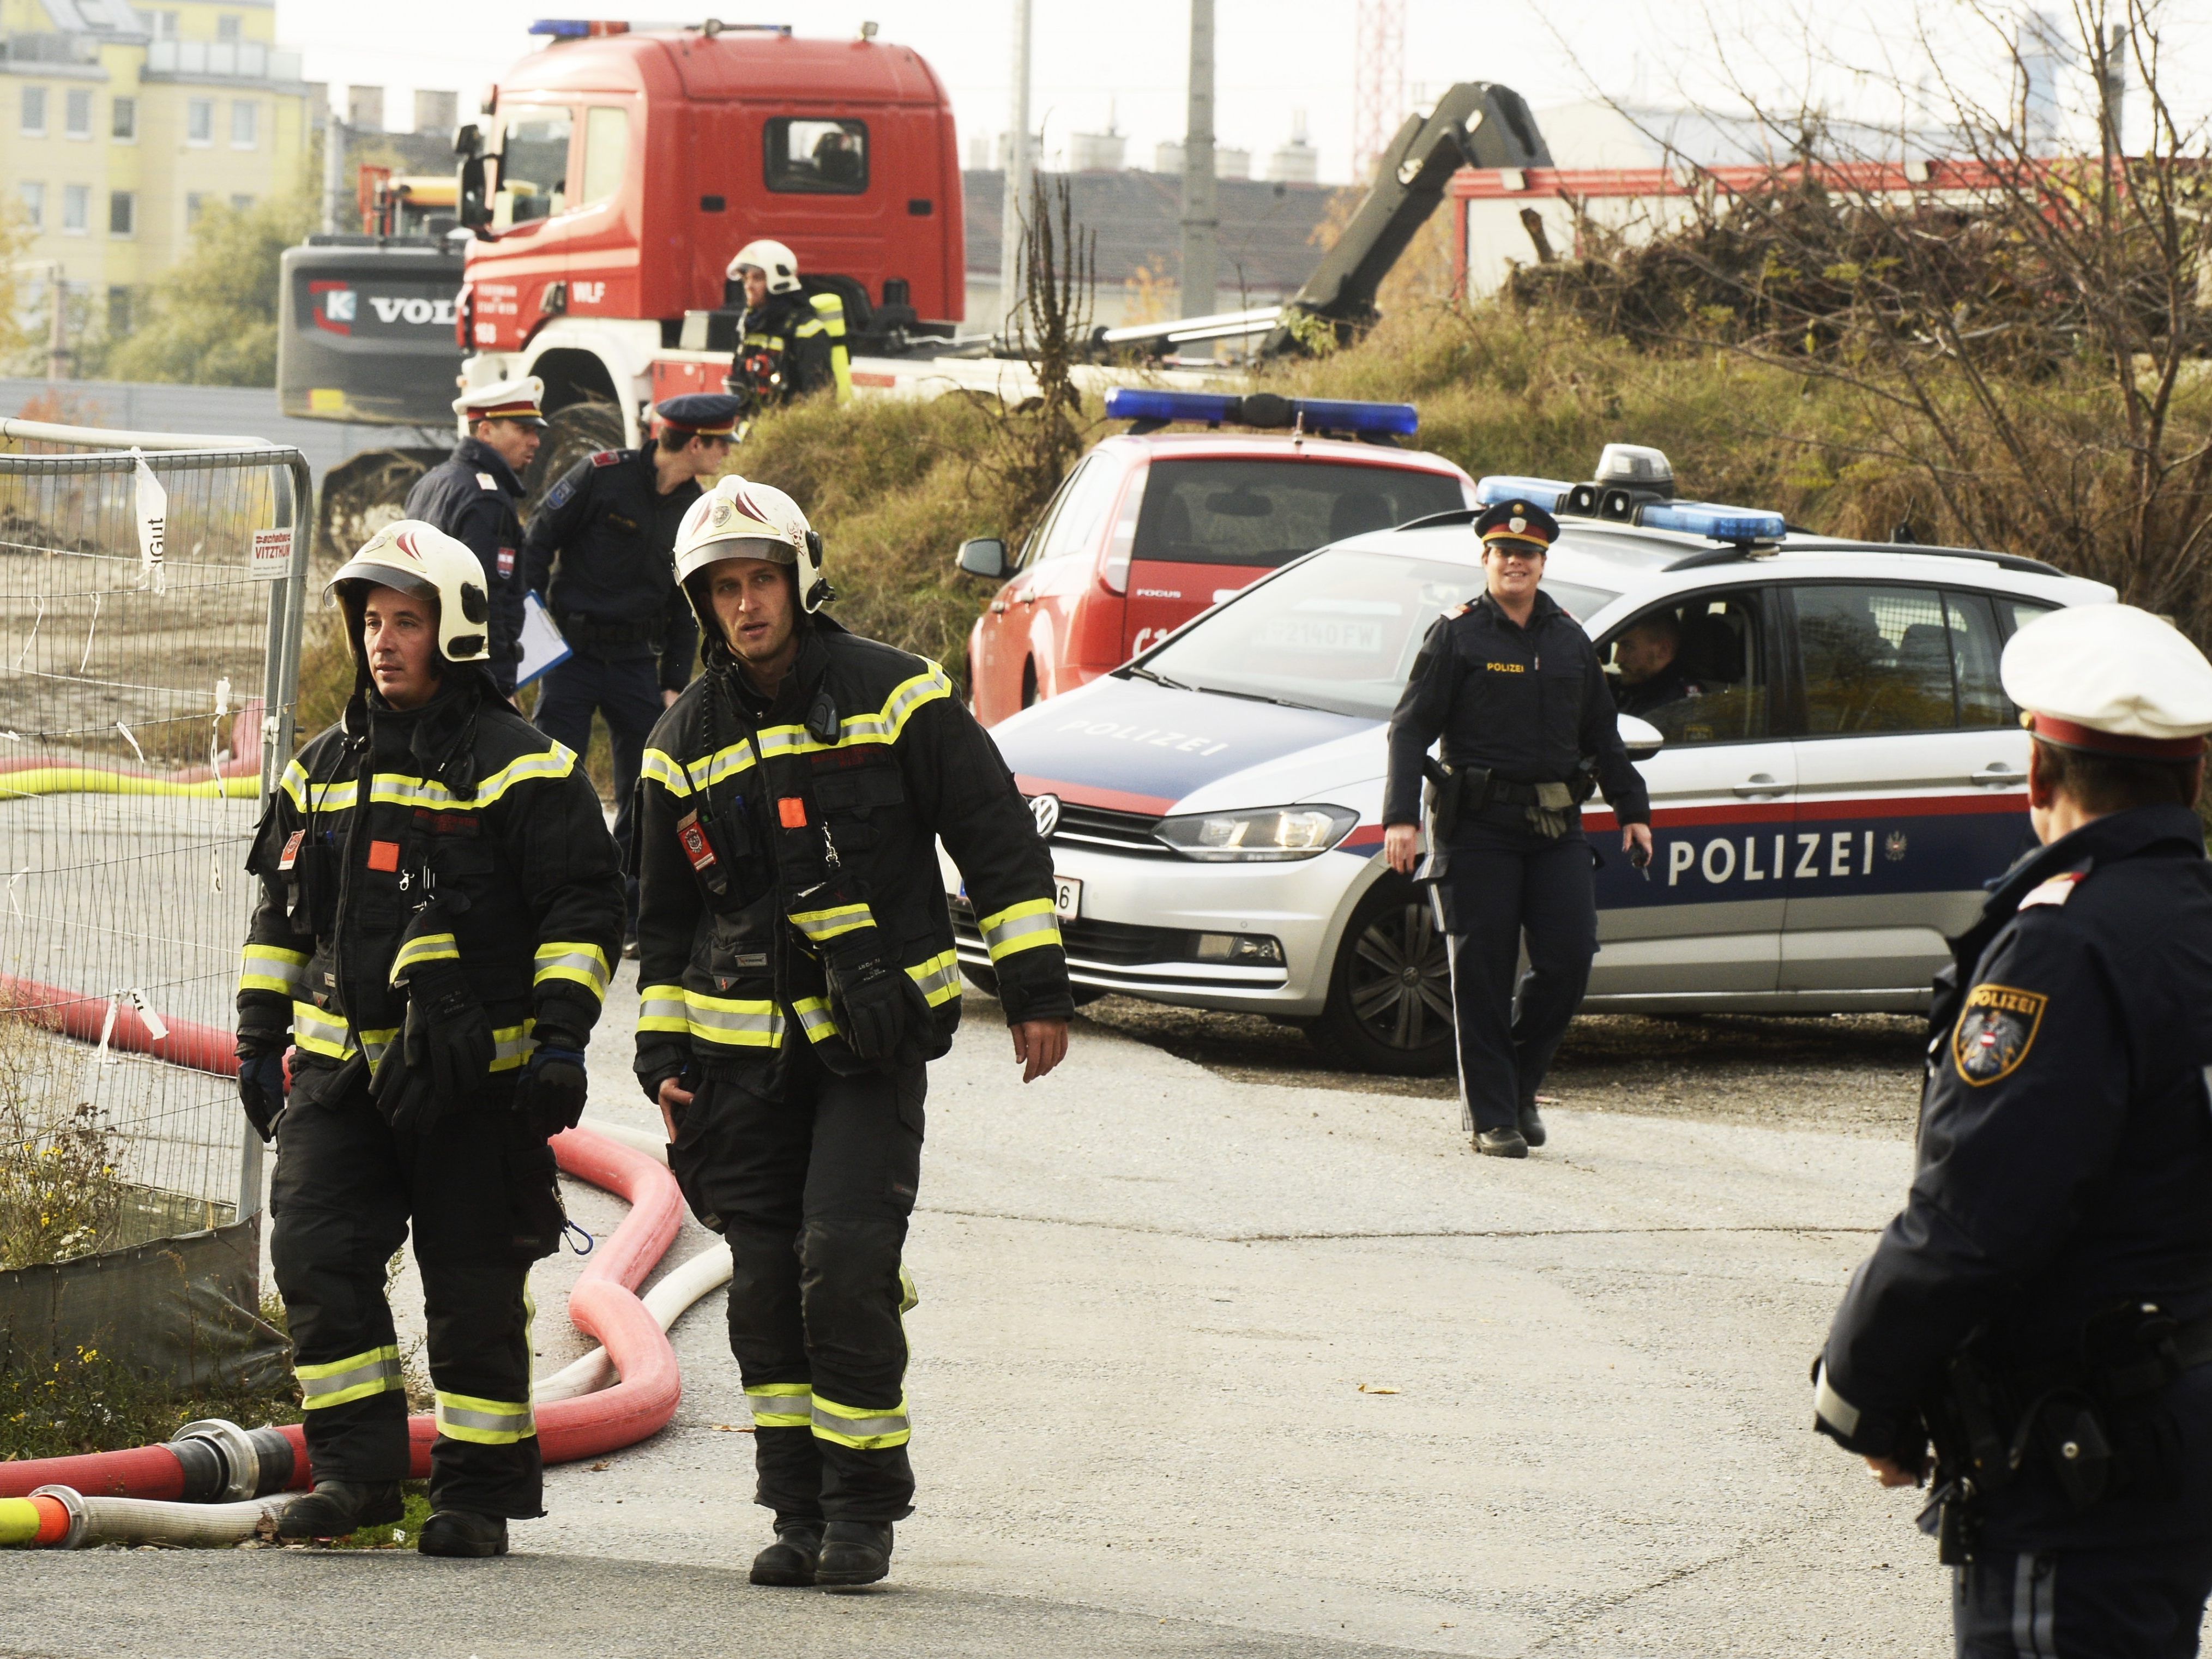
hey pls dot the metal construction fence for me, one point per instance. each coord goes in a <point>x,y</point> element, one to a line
<point>151,596</point>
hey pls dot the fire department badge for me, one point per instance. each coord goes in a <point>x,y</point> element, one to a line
<point>1892,847</point>
<point>1995,1032</point>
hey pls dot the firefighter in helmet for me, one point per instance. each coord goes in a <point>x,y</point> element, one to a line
<point>439,905</point>
<point>797,972</point>
<point>790,343</point>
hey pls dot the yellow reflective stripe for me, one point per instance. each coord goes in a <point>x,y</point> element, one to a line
<point>814,1018</point>
<point>865,1428</point>
<point>662,1009</point>
<point>587,965</point>
<point>665,770</point>
<point>733,1022</point>
<point>828,924</point>
<point>317,1033</point>
<point>373,1370</point>
<point>425,947</point>
<point>374,1043</point>
<point>781,1405</point>
<point>884,725</point>
<point>272,968</point>
<point>393,789</point>
<point>938,977</point>
<point>1021,927</point>
<point>486,1422</point>
<point>722,763</point>
<point>511,1045</point>
<point>310,797</point>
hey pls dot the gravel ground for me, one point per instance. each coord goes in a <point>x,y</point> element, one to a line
<point>1846,1073</point>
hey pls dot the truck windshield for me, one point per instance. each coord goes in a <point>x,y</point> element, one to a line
<point>1267,513</point>
<point>1339,632</point>
<point>533,163</point>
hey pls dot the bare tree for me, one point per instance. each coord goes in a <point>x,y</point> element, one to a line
<point>1037,440</point>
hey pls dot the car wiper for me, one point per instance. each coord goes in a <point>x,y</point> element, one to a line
<point>1220,691</point>
<point>1143,673</point>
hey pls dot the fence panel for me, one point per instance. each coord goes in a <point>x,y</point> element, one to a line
<point>147,669</point>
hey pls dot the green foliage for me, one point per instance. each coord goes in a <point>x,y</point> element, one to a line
<point>214,313</point>
<point>90,1402</point>
<point>60,1195</point>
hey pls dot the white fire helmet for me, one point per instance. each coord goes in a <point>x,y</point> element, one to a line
<point>740,519</point>
<point>776,261</point>
<point>421,559</point>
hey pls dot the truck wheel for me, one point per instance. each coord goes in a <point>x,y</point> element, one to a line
<point>1389,1003</point>
<point>572,432</point>
<point>365,493</point>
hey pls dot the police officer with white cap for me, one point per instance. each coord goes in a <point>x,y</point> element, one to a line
<point>475,496</point>
<point>2041,1309</point>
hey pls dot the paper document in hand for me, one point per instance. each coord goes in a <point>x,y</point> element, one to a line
<point>541,645</point>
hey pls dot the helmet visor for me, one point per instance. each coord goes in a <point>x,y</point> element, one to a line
<point>370,574</point>
<point>773,549</point>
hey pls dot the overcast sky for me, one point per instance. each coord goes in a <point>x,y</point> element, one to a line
<point>1127,61</point>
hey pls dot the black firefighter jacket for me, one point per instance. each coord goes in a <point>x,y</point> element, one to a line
<point>768,845</point>
<point>474,497</point>
<point>463,802</point>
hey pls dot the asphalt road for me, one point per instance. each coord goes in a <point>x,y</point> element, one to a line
<point>1216,1365</point>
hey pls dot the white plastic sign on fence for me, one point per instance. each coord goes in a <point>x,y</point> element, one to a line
<point>153,511</point>
<point>272,556</point>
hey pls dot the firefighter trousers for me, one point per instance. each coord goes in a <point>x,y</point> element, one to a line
<point>482,1193</point>
<point>812,1177</point>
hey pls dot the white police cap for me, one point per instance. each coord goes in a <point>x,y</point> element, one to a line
<point>516,400</point>
<point>2111,678</point>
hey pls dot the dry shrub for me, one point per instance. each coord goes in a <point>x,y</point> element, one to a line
<point>61,1193</point>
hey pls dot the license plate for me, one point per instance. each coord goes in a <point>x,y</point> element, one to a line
<point>1066,898</point>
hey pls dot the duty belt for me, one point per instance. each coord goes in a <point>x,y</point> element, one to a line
<point>579,629</point>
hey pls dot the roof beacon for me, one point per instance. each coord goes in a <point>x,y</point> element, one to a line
<point>1152,409</point>
<point>576,28</point>
<point>1546,493</point>
<point>1721,524</point>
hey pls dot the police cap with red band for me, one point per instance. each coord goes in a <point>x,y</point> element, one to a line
<point>701,414</point>
<point>1518,521</point>
<point>2111,679</point>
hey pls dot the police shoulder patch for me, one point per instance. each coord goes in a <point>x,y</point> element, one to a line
<point>558,496</point>
<point>2057,891</point>
<point>1996,1029</point>
<point>606,458</point>
<point>487,481</point>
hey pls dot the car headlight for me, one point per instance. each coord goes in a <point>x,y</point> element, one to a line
<point>1270,832</point>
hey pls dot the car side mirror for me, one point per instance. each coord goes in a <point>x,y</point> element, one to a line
<point>984,556</point>
<point>1640,738</point>
<point>474,207</point>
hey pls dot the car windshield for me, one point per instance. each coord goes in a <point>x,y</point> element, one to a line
<point>1269,512</point>
<point>1339,632</point>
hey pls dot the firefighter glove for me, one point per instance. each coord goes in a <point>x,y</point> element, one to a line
<point>442,1053</point>
<point>550,1097</point>
<point>261,1087</point>
<point>873,1006</point>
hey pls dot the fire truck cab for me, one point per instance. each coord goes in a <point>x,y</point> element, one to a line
<point>616,173</point>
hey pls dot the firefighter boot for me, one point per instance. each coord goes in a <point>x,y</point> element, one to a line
<point>854,1553</point>
<point>335,1508</point>
<point>792,1558</point>
<point>463,1532</point>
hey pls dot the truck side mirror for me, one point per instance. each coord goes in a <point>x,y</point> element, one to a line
<point>1640,738</point>
<point>984,556</point>
<point>468,140</point>
<point>472,206</point>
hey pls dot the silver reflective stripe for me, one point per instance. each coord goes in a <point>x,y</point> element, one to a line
<point>935,980</point>
<point>509,1044</point>
<point>2035,1607</point>
<point>518,1424</point>
<point>798,1408</point>
<point>371,1375</point>
<point>660,1008</point>
<point>582,963</point>
<point>1832,1407</point>
<point>753,1026</point>
<point>814,1019</point>
<point>861,1428</point>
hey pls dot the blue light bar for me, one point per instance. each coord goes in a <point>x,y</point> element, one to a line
<point>575,28</point>
<point>1546,493</point>
<point>1129,403</point>
<point>1265,410</point>
<point>1721,524</point>
<point>1338,415</point>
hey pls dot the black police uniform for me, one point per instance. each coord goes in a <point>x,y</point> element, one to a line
<point>783,845</point>
<point>1517,707</point>
<point>474,497</point>
<point>2065,1159</point>
<point>790,346</point>
<point>481,846</point>
<point>601,552</point>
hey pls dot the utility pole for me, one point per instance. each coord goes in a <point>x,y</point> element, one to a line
<point>57,326</point>
<point>1201,220</point>
<point>334,147</point>
<point>1015,200</point>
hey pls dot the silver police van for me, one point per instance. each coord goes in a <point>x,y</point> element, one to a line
<point>1835,770</point>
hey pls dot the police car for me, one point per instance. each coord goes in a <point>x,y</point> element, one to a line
<point>1834,770</point>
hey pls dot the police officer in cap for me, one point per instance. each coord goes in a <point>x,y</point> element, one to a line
<point>2041,1309</point>
<point>789,342</point>
<point>1513,686</point>
<point>475,495</point>
<point>600,554</point>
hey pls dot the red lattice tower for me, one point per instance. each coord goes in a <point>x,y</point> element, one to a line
<point>1378,96</point>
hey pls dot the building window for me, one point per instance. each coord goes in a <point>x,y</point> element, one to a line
<point>163,23</point>
<point>123,213</point>
<point>76,208</point>
<point>193,202</point>
<point>77,112</point>
<point>33,198</point>
<point>118,313</point>
<point>242,203</point>
<point>245,123</point>
<point>34,112</point>
<point>124,126</point>
<point>199,121</point>
<point>226,30</point>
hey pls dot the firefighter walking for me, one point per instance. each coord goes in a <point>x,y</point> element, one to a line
<point>790,343</point>
<point>797,972</point>
<point>439,905</point>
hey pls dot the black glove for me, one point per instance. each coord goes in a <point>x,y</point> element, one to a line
<point>874,1006</point>
<point>442,1053</point>
<point>550,1097</point>
<point>261,1084</point>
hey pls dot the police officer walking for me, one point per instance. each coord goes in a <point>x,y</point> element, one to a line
<point>2041,1309</point>
<point>1514,688</point>
<point>475,496</point>
<point>797,971</point>
<point>789,342</point>
<point>600,555</point>
<point>439,902</point>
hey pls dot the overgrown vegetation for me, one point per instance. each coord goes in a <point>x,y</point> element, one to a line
<point>91,1402</point>
<point>61,1193</point>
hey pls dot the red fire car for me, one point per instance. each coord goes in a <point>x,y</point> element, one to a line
<point>1152,527</point>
